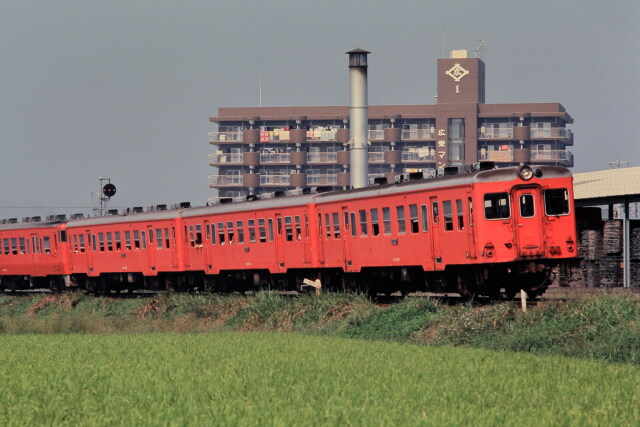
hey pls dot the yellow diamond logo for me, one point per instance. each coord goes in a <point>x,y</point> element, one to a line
<point>457,72</point>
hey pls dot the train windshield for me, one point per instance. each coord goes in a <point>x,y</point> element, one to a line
<point>496,206</point>
<point>556,202</point>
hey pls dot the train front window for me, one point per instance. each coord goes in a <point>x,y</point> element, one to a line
<point>556,202</point>
<point>527,209</point>
<point>496,206</point>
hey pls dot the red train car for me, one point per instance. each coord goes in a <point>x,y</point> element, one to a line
<point>33,255</point>
<point>483,232</point>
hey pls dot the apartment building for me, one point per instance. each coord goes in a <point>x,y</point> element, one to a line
<point>269,149</point>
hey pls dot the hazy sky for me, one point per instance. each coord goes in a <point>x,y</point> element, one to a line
<point>124,89</point>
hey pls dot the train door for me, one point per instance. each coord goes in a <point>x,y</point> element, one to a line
<point>470,227</point>
<point>91,248</point>
<point>279,239</point>
<point>437,230</point>
<point>36,254</point>
<point>528,214</point>
<point>346,239</point>
<point>151,249</point>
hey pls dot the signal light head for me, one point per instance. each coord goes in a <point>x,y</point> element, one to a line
<point>525,173</point>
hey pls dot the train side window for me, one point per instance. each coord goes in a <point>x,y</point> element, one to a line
<point>434,211</point>
<point>1,248</point>
<point>167,243</point>
<point>336,225</point>
<point>14,246</point>
<point>527,207</point>
<point>81,243</point>
<point>231,232</point>
<point>263,230</point>
<point>159,238</point>
<point>118,244</point>
<point>189,235</point>
<point>425,219</point>
<point>353,224</point>
<point>447,213</point>
<point>91,241</point>
<point>556,202</point>
<point>22,246</point>
<point>346,220</point>
<point>470,212</point>
<point>252,230</point>
<point>363,223</point>
<point>136,239</point>
<point>401,221</point>
<point>288,227</point>
<point>212,233</point>
<point>240,228</point>
<point>6,247</point>
<point>270,224</point>
<point>63,235</point>
<point>127,240</point>
<point>198,235</point>
<point>101,241</point>
<point>375,224</point>
<point>279,224</point>
<point>298,228</point>
<point>413,217</point>
<point>460,214</point>
<point>143,239</point>
<point>386,220</point>
<point>221,237</point>
<point>327,225</point>
<point>75,243</point>
<point>110,241</point>
<point>496,206</point>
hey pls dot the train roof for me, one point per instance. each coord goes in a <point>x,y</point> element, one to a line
<point>493,175</point>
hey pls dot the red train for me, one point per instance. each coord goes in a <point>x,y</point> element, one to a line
<point>483,232</point>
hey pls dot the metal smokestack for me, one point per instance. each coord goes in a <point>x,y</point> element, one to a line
<point>359,118</point>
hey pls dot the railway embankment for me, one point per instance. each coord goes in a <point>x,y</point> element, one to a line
<point>605,328</point>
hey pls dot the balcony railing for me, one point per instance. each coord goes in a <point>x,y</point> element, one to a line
<point>277,180</point>
<point>322,179</point>
<point>376,157</point>
<point>495,133</point>
<point>562,156</point>
<point>417,156</point>
<point>322,157</point>
<point>552,133</point>
<point>234,158</point>
<point>274,158</point>
<point>225,136</point>
<point>376,135</point>
<point>225,180</point>
<point>496,155</point>
<point>418,134</point>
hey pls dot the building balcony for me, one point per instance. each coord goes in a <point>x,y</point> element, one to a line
<point>322,158</point>
<point>225,159</point>
<point>376,157</point>
<point>498,156</point>
<point>322,179</point>
<point>551,133</point>
<point>495,133</point>
<point>418,157</point>
<point>220,137</point>
<point>562,157</point>
<point>275,158</point>
<point>274,180</point>
<point>225,180</point>
<point>419,134</point>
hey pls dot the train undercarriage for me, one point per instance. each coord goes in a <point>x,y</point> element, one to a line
<point>495,281</point>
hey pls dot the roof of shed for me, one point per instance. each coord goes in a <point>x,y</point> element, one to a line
<point>607,183</point>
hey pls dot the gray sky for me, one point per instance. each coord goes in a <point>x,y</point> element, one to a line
<point>124,89</point>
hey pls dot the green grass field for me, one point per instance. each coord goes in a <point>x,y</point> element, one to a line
<point>292,379</point>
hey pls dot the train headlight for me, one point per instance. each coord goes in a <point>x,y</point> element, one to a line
<point>525,173</point>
